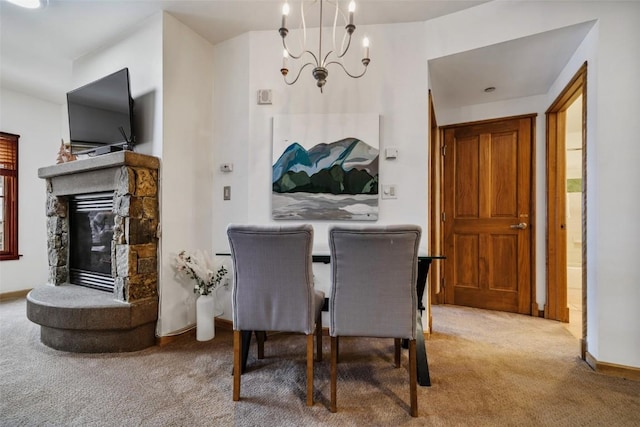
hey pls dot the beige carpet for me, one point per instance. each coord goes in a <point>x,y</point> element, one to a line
<point>487,369</point>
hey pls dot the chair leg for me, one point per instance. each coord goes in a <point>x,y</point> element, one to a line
<point>310,370</point>
<point>413,378</point>
<point>237,368</point>
<point>397,344</point>
<point>319,338</point>
<point>334,372</point>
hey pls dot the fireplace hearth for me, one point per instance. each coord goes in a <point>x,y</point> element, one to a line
<point>102,221</point>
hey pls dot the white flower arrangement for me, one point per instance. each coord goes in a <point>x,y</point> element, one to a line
<point>199,266</point>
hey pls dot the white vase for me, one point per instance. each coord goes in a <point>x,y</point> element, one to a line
<point>205,320</point>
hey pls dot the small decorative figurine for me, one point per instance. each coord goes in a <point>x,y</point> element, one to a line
<point>64,154</point>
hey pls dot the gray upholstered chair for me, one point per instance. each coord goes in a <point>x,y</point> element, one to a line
<point>373,291</point>
<point>273,289</point>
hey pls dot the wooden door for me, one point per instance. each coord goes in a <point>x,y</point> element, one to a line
<point>488,214</point>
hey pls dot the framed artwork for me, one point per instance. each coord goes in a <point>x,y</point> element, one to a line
<point>325,166</point>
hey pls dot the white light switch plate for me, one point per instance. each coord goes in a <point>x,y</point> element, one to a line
<point>391,153</point>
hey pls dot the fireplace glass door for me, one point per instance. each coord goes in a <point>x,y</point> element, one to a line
<point>91,222</point>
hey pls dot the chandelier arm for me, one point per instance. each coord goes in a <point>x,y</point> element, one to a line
<point>324,61</point>
<point>284,44</point>
<point>347,72</point>
<point>298,76</point>
<point>344,52</point>
<point>335,25</point>
<point>346,34</point>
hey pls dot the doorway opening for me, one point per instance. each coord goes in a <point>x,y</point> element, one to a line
<point>573,168</point>
<point>567,208</point>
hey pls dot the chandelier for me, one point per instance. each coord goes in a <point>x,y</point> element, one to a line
<point>321,60</point>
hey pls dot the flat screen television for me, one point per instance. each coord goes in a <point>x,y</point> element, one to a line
<point>101,115</point>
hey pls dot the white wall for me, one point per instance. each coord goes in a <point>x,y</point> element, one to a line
<point>612,49</point>
<point>395,87</point>
<point>231,103</point>
<point>614,155</point>
<point>171,70</point>
<point>187,165</point>
<point>141,51</point>
<point>38,123</point>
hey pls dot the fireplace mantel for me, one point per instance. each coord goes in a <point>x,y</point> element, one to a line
<point>69,323</point>
<point>94,174</point>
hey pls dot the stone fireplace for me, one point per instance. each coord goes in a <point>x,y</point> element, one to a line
<point>102,221</point>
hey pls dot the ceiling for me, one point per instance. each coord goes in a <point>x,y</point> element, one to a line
<point>37,47</point>
<point>517,68</point>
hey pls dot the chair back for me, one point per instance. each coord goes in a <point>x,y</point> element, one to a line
<point>272,277</point>
<point>373,281</point>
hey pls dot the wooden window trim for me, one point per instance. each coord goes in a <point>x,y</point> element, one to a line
<point>9,146</point>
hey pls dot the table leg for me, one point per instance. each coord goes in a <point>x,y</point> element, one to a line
<point>246,342</point>
<point>421,350</point>
<point>421,354</point>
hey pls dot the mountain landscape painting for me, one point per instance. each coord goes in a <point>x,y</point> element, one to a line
<point>325,167</point>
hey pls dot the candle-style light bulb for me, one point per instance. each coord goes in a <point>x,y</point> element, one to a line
<point>365,44</point>
<point>285,13</point>
<point>352,8</point>
<point>285,55</point>
<point>28,4</point>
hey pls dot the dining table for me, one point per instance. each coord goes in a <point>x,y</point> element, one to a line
<point>422,363</point>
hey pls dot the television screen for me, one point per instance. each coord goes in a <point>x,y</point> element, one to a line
<point>101,113</point>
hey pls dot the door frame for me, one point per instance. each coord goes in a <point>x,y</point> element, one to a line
<point>556,305</point>
<point>437,195</point>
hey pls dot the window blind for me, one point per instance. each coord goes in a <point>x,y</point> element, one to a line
<point>8,156</point>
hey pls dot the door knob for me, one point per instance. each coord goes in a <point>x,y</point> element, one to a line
<point>520,226</point>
